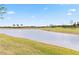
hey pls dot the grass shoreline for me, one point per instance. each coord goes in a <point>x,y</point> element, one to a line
<point>19,46</point>
<point>74,31</point>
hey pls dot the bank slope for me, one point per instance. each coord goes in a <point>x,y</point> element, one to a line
<point>19,46</point>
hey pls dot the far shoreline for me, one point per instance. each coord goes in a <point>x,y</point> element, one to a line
<point>45,29</point>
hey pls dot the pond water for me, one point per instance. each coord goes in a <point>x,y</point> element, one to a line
<point>54,38</point>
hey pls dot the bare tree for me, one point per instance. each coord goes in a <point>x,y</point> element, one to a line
<point>71,22</point>
<point>2,11</point>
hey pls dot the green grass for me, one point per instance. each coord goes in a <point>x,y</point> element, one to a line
<point>63,30</point>
<point>19,46</point>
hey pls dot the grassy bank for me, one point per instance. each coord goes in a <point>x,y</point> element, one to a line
<point>19,46</point>
<point>63,30</point>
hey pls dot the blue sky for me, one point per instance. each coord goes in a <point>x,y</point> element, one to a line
<point>40,14</point>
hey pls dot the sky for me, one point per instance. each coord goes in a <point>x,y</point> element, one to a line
<point>40,14</point>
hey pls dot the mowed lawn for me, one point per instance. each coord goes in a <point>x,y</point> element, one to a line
<point>19,46</point>
<point>62,30</point>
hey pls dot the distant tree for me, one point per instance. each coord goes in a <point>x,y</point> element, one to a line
<point>78,23</point>
<point>14,25</point>
<point>74,24</point>
<point>71,22</point>
<point>51,25</point>
<point>17,25</point>
<point>21,24</point>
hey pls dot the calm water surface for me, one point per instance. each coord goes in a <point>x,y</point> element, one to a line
<point>59,39</point>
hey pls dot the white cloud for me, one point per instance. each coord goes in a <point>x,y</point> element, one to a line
<point>72,10</point>
<point>69,14</point>
<point>33,16</point>
<point>45,8</point>
<point>11,12</point>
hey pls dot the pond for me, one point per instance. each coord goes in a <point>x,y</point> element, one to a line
<point>60,39</point>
